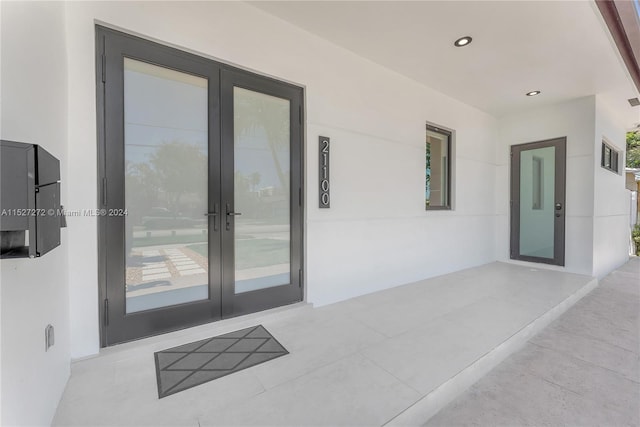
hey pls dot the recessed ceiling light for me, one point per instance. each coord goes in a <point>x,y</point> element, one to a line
<point>462,41</point>
<point>533,93</point>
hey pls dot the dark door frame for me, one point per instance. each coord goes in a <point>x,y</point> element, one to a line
<point>560,145</point>
<point>115,325</point>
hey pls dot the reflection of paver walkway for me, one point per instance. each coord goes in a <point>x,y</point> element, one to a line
<point>185,266</point>
<point>168,263</point>
<point>154,270</point>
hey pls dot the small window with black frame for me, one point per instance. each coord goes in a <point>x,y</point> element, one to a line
<point>610,157</point>
<point>438,169</point>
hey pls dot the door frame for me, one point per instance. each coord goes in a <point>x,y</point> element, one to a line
<point>560,145</point>
<point>110,187</point>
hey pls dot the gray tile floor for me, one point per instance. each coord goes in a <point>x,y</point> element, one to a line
<point>366,361</point>
<point>583,370</point>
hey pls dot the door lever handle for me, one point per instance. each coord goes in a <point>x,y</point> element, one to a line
<point>234,213</point>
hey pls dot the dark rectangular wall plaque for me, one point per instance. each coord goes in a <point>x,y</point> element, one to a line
<point>323,171</point>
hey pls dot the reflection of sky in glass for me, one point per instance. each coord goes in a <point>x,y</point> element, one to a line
<point>252,154</point>
<point>162,106</point>
<point>636,3</point>
<point>141,141</point>
<point>261,131</point>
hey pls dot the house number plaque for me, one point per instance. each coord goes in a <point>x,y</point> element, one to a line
<point>324,171</point>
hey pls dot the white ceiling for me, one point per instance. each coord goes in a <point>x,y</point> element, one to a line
<point>559,47</point>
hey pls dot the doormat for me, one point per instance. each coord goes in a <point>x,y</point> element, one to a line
<point>189,365</point>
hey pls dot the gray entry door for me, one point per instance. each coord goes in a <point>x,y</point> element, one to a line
<point>261,193</point>
<point>201,176</point>
<point>538,201</point>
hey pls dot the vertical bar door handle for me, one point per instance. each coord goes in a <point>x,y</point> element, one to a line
<point>214,214</point>
<point>229,215</point>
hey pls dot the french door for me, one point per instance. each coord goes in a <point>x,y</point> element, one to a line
<point>200,184</point>
<point>538,201</point>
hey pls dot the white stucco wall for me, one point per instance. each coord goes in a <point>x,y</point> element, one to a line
<point>376,234</point>
<point>576,121</point>
<point>611,198</point>
<point>33,90</point>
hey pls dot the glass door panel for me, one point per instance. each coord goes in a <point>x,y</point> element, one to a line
<point>262,190</point>
<point>165,159</point>
<point>537,195</point>
<point>261,123</point>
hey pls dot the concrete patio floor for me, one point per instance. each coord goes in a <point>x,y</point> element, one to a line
<point>392,357</point>
<point>583,370</point>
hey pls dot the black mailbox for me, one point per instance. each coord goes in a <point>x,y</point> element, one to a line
<point>31,214</point>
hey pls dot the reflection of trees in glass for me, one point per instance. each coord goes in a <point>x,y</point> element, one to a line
<point>245,200</point>
<point>141,189</point>
<point>254,180</point>
<point>253,115</point>
<point>156,189</point>
<point>180,167</point>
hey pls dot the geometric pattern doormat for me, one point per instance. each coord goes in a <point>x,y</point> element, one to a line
<point>188,365</point>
